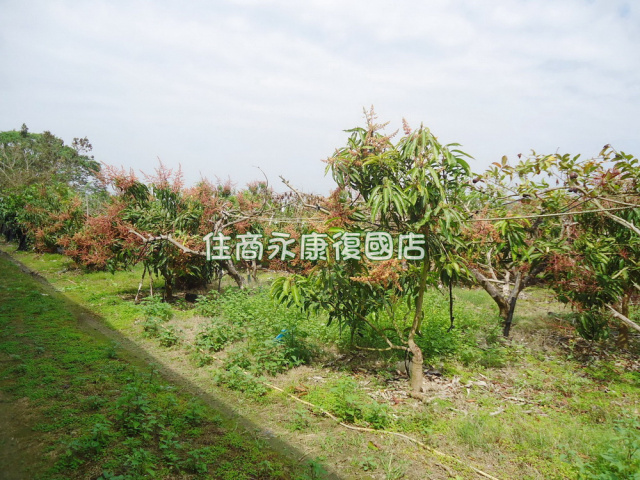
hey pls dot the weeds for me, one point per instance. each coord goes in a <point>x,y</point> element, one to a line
<point>105,418</point>
<point>300,420</point>
<point>344,399</point>
<point>235,379</point>
<point>217,334</point>
<point>156,314</point>
<point>256,335</point>
<point>207,306</point>
<point>155,307</point>
<point>621,458</point>
<point>168,337</point>
<point>556,403</point>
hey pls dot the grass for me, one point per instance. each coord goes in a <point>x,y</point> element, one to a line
<point>540,406</point>
<point>92,414</point>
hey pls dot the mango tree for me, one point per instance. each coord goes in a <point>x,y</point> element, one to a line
<point>597,270</point>
<point>410,191</point>
<point>164,225</point>
<point>535,217</point>
<point>512,219</point>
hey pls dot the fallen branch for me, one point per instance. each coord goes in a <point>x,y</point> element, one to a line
<point>401,435</point>
<point>624,319</point>
<point>364,429</point>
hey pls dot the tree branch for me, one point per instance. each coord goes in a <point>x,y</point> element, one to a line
<point>487,285</point>
<point>169,239</point>
<point>301,198</point>
<point>623,319</point>
<point>560,214</point>
<point>381,334</point>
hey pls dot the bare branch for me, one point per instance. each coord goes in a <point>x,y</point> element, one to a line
<point>624,319</point>
<point>265,175</point>
<point>301,198</point>
<point>541,215</point>
<point>169,239</point>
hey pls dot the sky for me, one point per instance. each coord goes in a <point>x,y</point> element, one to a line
<point>223,87</point>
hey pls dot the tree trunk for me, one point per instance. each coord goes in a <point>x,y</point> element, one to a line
<point>505,285</point>
<point>415,372</point>
<point>509,317</point>
<point>518,286</point>
<point>233,273</point>
<point>168,288</point>
<point>506,305</point>
<point>22,242</point>
<point>623,330</point>
<point>417,380</point>
<point>168,291</point>
<point>503,305</point>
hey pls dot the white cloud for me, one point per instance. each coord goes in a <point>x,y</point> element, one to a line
<point>222,86</point>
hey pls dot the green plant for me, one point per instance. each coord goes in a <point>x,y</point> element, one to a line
<point>151,327</point>
<point>134,411</point>
<point>316,469</point>
<point>196,460</point>
<point>94,402</point>
<point>195,413</point>
<point>140,462</point>
<point>621,460</point>
<point>300,420</point>
<point>235,379</point>
<point>217,334</point>
<point>592,325</point>
<point>272,357</point>
<point>394,470</point>
<point>412,189</point>
<point>168,336</point>
<point>106,417</point>
<point>81,448</point>
<point>418,421</point>
<point>111,351</point>
<point>155,308</point>
<point>368,463</point>
<point>208,305</point>
<point>344,398</point>
<point>201,358</point>
<point>170,446</point>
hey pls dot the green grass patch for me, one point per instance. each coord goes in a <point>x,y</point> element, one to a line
<point>99,416</point>
<point>544,412</point>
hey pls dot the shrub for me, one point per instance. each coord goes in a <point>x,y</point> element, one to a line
<point>216,335</point>
<point>154,307</point>
<point>208,306</point>
<point>592,325</point>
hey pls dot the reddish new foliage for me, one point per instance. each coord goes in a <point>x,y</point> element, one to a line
<point>569,274</point>
<point>340,212</point>
<point>102,237</point>
<point>119,178</point>
<point>384,273</point>
<point>164,178</point>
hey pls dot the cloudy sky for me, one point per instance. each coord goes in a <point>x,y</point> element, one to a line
<point>222,86</point>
